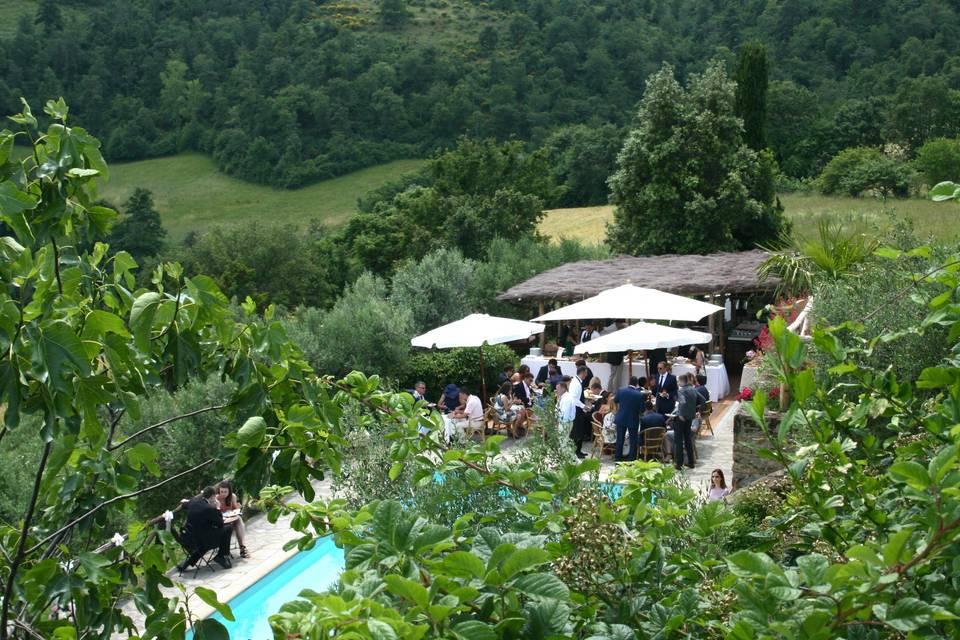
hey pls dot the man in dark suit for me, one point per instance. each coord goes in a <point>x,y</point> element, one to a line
<point>205,530</point>
<point>665,389</point>
<point>583,363</point>
<point>523,390</point>
<point>547,371</point>
<point>630,403</point>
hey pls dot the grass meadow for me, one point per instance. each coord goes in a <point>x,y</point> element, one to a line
<point>191,194</point>
<point>10,13</point>
<point>937,220</point>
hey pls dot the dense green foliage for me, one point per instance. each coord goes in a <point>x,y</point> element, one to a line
<point>270,263</point>
<point>139,232</point>
<point>581,158</point>
<point>685,181</point>
<point>447,541</point>
<point>364,331</point>
<point>294,91</point>
<point>861,169</point>
<point>864,296</point>
<point>84,348</point>
<point>938,160</point>
<point>435,290</point>
<point>752,79</point>
<point>458,366</point>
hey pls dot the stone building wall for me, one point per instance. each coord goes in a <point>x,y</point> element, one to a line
<point>748,467</point>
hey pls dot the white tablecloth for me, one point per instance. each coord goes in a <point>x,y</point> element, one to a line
<point>600,369</point>
<point>718,383</point>
<point>680,368</point>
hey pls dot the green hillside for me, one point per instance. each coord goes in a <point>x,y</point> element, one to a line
<point>191,194</point>
<point>291,92</point>
<point>10,12</point>
<point>930,219</point>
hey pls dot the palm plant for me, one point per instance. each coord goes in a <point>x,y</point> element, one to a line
<point>831,254</point>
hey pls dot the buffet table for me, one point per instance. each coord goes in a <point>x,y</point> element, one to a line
<point>680,368</point>
<point>718,383</point>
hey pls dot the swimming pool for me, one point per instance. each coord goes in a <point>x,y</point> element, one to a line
<point>315,569</point>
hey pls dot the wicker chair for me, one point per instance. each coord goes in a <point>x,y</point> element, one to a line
<point>475,428</point>
<point>705,414</point>
<point>494,424</point>
<point>653,443</point>
<point>599,446</point>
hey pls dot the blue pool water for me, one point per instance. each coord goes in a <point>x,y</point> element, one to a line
<point>315,569</point>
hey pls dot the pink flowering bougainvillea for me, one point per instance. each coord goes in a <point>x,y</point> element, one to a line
<point>788,309</point>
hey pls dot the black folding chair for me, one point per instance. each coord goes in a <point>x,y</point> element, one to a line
<point>200,559</point>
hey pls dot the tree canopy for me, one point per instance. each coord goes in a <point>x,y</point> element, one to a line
<point>684,175</point>
<point>139,232</point>
<point>293,92</point>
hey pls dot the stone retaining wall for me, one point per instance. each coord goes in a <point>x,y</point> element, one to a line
<point>748,467</point>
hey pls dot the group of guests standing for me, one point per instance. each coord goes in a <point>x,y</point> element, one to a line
<point>663,401</point>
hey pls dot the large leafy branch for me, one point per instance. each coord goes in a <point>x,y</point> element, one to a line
<point>80,346</point>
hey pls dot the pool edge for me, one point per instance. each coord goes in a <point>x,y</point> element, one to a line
<point>203,610</point>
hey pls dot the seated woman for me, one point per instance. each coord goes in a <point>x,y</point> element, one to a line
<point>228,502</point>
<point>450,400</point>
<point>609,410</point>
<point>507,409</point>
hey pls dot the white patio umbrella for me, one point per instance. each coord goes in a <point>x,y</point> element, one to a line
<point>638,303</point>
<point>476,330</point>
<point>643,335</point>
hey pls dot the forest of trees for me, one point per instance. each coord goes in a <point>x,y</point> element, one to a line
<point>319,92</point>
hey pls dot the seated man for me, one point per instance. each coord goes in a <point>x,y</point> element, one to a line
<point>700,386</point>
<point>472,411</point>
<point>651,418</point>
<point>523,390</point>
<point>548,371</point>
<point>205,530</point>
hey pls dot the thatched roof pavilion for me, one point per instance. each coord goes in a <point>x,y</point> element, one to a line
<point>713,274</point>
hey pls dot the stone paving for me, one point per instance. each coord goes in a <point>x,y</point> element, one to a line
<point>714,452</point>
<point>265,541</point>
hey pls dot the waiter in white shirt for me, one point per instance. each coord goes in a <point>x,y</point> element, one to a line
<point>588,333</point>
<point>566,408</point>
<point>581,423</point>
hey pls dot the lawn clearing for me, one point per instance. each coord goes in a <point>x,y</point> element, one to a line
<point>937,220</point>
<point>192,195</point>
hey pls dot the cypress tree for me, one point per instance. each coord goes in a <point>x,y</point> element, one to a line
<point>139,232</point>
<point>751,100</point>
<point>48,16</point>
